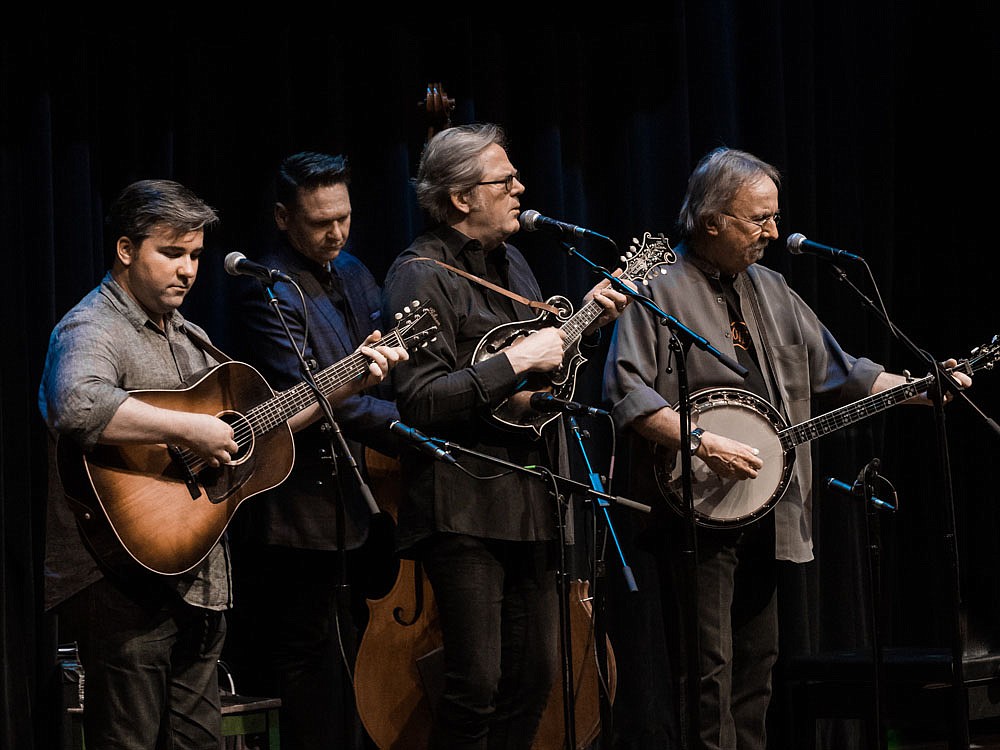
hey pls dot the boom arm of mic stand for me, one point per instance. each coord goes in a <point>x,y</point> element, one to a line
<point>324,404</point>
<point>597,485</point>
<point>944,380</point>
<point>679,329</point>
<point>565,483</point>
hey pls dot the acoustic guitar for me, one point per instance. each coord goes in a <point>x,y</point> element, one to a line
<point>166,507</point>
<point>744,416</point>
<point>643,260</point>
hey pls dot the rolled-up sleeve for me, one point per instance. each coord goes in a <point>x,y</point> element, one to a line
<point>79,392</point>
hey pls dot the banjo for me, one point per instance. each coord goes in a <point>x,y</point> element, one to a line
<point>744,416</point>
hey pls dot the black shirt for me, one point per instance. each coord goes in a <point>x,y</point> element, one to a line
<point>444,393</point>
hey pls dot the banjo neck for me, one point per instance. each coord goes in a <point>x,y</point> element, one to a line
<point>834,420</point>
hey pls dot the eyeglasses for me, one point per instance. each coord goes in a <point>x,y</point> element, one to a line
<point>507,182</point>
<point>759,223</point>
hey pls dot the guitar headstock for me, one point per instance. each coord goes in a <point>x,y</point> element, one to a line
<point>415,326</point>
<point>648,257</point>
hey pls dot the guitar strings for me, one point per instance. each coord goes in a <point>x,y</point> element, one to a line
<point>267,415</point>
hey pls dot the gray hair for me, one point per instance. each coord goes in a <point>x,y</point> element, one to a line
<point>147,204</point>
<point>714,182</point>
<point>450,164</point>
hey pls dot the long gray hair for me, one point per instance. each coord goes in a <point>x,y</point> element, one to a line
<point>713,183</point>
<point>450,164</point>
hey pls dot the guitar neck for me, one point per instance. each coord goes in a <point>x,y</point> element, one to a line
<point>855,412</point>
<point>287,404</point>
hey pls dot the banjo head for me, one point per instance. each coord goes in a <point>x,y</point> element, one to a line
<point>724,503</point>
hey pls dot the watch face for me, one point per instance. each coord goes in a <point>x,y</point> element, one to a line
<point>695,438</point>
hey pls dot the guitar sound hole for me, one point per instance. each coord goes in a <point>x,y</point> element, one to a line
<point>242,434</point>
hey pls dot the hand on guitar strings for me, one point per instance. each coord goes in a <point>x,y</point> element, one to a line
<point>210,438</point>
<point>613,302</point>
<point>383,359</point>
<point>729,458</point>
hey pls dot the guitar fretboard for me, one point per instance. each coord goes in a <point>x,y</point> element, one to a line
<point>278,410</point>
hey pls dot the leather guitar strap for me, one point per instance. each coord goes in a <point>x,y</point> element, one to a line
<point>207,346</point>
<point>506,292</point>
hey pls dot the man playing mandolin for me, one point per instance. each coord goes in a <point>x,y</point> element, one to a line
<point>728,217</point>
<point>149,643</point>
<point>488,543</point>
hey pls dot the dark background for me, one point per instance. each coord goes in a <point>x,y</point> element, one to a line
<point>880,116</point>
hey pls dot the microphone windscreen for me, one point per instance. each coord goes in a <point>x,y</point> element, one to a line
<point>527,220</point>
<point>231,262</point>
<point>795,243</point>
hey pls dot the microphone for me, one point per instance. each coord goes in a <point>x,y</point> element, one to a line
<point>854,490</point>
<point>236,264</point>
<point>545,402</point>
<point>419,440</point>
<point>532,221</point>
<point>798,244</point>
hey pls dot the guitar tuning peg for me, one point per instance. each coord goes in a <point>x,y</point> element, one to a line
<point>415,303</point>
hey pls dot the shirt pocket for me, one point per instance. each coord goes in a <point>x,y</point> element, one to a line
<point>791,364</point>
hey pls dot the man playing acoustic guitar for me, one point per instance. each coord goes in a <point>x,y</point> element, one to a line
<point>149,643</point>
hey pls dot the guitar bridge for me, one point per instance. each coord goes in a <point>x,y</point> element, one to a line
<point>190,481</point>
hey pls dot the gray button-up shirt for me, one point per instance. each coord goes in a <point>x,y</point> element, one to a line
<point>103,348</point>
<point>800,359</point>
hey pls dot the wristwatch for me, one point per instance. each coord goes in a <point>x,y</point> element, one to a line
<point>696,434</point>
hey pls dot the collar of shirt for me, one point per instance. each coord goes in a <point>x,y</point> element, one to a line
<point>131,309</point>
<point>469,254</point>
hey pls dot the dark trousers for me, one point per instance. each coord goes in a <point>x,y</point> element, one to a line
<point>150,669</point>
<point>737,630</point>
<point>499,614</point>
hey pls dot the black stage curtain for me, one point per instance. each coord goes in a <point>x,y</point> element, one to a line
<point>878,114</point>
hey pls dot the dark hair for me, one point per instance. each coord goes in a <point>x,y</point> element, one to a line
<point>308,170</point>
<point>147,204</point>
<point>713,183</point>
<point>450,164</point>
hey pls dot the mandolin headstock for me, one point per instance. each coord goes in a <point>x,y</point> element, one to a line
<point>647,258</point>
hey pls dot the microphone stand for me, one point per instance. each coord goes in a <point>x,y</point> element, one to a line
<point>681,340</point>
<point>872,531</point>
<point>942,382</point>
<point>563,485</point>
<point>598,595</point>
<point>336,438</point>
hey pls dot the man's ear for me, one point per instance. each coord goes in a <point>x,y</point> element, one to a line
<point>714,224</point>
<point>125,251</point>
<point>281,216</point>
<point>462,203</point>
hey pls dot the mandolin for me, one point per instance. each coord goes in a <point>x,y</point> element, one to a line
<point>643,260</point>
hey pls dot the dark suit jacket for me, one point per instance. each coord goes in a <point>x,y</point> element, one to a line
<point>301,512</point>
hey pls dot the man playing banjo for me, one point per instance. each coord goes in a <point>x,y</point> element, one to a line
<point>728,217</point>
